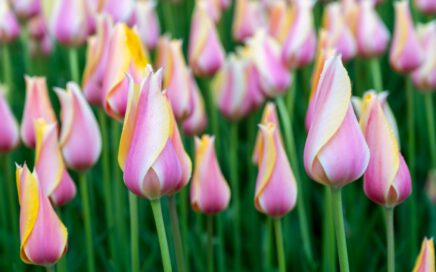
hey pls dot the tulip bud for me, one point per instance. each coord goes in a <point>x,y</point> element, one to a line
<point>265,53</point>
<point>121,11</point>
<point>43,236</point>
<point>206,53</point>
<point>197,120</point>
<point>300,44</point>
<point>210,192</point>
<point>151,153</point>
<point>9,137</point>
<point>334,130</point>
<point>54,179</point>
<point>425,261</point>
<point>424,77</point>
<point>279,19</point>
<point>9,27</point>
<point>247,19</point>
<point>80,135</point>
<point>147,22</point>
<point>269,116</point>
<point>426,6</point>
<point>37,105</point>
<point>37,27</point>
<point>387,180</point>
<point>430,188</point>
<point>26,8</point>
<point>276,190</point>
<point>176,76</point>
<point>372,36</point>
<point>406,52</point>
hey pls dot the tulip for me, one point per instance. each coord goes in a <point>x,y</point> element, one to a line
<point>9,27</point>
<point>154,164</point>
<point>54,179</point>
<point>43,236</point>
<point>300,43</point>
<point>430,188</point>
<point>37,27</point>
<point>197,120</point>
<point>279,18</point>
<point>334,130</point>
<point>126,56</point>
<point>205,51</point>
<point>26,8</point>
<point>121,11</point>
<point>406,52</point>
<point>269,116</point>
<point>37,105</point>
<point>176,76</point>
<point>42,47</point>
<point>147,22</point>
<point>426,6</point>
<point>265,53</point>
<point>425,261</point>
<point>247,19</point>
<point>80,135</point>
<point>372,36</point>
<point>424,78</point>
<point>210,192</point>
<point>9,136</point>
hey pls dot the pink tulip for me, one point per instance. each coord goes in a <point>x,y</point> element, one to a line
<point>43,236</point>
<point>121,11</point>
<point>26,8</point>
<point>424,77</point>
<point>276,190</point>
<point>197,120</point>
<point>334,130</point>
<point>9,27</point>
<point>151,152</point>
<point>210,192</point>
<point>425,261</point>
<point>9,136</point>
<point>147,22</point>
<point>37,27</point>
<point>269,116</point>
<point>37,105</point>
<point>247,18</point>
<point>279,19</point>
<point>372,36</point>
<point>54,179</point>
<point>406,53</point>
<point>80,135</point>
<point>206,53</point>
<point>426,6</point>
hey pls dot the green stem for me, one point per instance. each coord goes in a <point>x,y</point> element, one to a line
<point>210,265</point>
<point>74,64</point>
<point>87,221</point>
<point>10,184</point>
<point>279,244</point>
<point>329,252</point>
<point>431,127</point>
<point>221,253</point>
<point>50,268</point>
<point>267,248</point>
<point>340,230</point>
<point>184,225</point>
<point>390,238</point>
<point>178,246</point>
<point>7,73</point>
<point>134,235</point>
<point>160,226</point>
<point>376,74</point>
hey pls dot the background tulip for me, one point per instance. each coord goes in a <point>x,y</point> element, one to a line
<point>424,77</point>
<point>147,22</point>
<point>197,120</point>
<point>247,19</point>
<point>121,11</point>
<point>425,261</point>
<point>9,27</point>
<point>426,6</point>
<point>9,137</point>
<point>26,8</point>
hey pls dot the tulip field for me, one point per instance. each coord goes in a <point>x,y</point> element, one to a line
<point>217,135</point>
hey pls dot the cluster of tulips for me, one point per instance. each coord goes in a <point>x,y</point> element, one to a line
<point>168,91</point>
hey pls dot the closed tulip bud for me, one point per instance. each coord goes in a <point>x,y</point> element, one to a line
<point>9,27</point>
<point>121,11</point>
<point>26,8</point>
<point>430,187</point>
<point>247,18</point>
<point>426,6</point>
<point>334,130</point>
<point>269,116</point>
<point>387,180</point>
<point>197,120</point>
<point>49,164</point>
<point>151,153</point>
<point>406,53</point>
<point>266,55</point>
<point>37,27</point>
<point>80,135</point>
<point>9,137</point>
<point>279,19</point>
<point>372,36</point>
<point>210,192</point>
<point>300,44</point>
<point>97,58</point>
<point>147,22</point>
<point>176,77</point>
<point>43,236</point>
<point>276,190</point>
<point>425,261</point>
<point>206,54</point>
<point>37,105</point>
<point>424,77</point>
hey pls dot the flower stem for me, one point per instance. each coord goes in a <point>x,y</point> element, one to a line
<point>376,74</point>
<point>210,265</point>
<point>87,221</point>
<point>279,244</point>
<point>390,238</point>
<point>74,64</point>
<point>178,246</point>
<point>50,268</point>
<point>7,73</point>
<point>431,127</point>
<point>329,252</point>
<point>158,218</point>
<point>11,193</point>
<point>340,230</point>
<point>134,236</point>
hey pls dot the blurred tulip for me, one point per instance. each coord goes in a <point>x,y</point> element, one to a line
<point>9,136</point>
<point>300,43</point>
<point>37,27</point>
<point>147,22</point>
<point>387,180</point>
<point>269,116</point>
<point>43,236</point>
<point>214,8</point>
<point>26,8</point>
<point>151,152</point>
<point>334,130</point>
<point>424,78</point>
<point>121,11</point>
<point>210,192</point>
<point>372,36</point>
<point>54,179</point>
<point>425,261</point>
<point>247,18</point>
<point>276,190</point>
<point>236,91</point>
<point>265,52</point>
<point>426,6</point>
<point>9,27</point>
<point>197,120</point>
<point>176,80</point>
<point>406,53</point>
<point>206,53</point>
<point>42,47</point>
<point>97,58</point>
<point>279,18</point>
<point>37,105</point>
<point>126,55</point>
<point>430,187</point>
<point>80,135</point>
